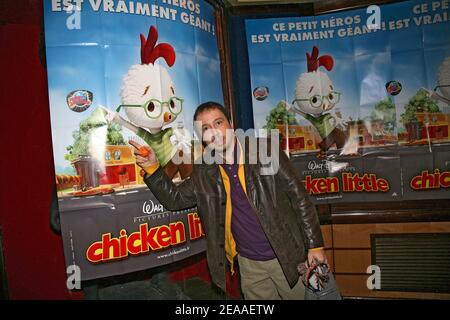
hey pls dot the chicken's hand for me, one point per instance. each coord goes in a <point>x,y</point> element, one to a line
<point>110,116</point>
<point>114,117</point>
<point>340,123</point>
<point>291,108</point>
<point>181,140</point>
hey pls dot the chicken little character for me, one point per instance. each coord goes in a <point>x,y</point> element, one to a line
<point>315,95</point>
<point>150,102</point>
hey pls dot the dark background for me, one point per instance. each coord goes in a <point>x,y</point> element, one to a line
<point>31,254</point>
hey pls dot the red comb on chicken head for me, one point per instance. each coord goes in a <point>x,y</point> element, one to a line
<point>314,61</point>
<point>150,52</point>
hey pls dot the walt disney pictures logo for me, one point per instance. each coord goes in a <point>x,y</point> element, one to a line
<point>149,207</point>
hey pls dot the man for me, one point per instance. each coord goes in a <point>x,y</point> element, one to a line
<point>266,222</point>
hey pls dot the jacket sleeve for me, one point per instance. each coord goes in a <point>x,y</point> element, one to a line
<point>171,196</point>
<point>307,214</point>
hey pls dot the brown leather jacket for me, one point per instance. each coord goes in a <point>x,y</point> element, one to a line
<point>287,216</point>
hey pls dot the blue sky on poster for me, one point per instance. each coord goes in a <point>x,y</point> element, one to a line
<point>364,63</point>
<point>96,56</point>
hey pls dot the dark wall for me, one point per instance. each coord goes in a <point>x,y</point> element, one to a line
<point>33,254</point>
<point>241,72</point>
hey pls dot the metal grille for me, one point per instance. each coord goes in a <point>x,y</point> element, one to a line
<point>418,262</point>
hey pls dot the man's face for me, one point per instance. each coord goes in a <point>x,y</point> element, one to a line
<point>216,130</point>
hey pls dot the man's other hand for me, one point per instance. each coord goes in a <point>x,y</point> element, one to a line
<point>317,256</point>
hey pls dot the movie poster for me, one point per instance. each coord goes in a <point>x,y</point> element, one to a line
<point>121,71</point>
<point>361,98</point>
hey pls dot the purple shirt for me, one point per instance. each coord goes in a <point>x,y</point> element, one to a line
<point>251,241</point>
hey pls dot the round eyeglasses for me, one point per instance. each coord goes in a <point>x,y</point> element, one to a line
<point>316,100</point>
<point>153,108</point>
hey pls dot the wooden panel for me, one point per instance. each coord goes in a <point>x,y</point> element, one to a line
<point>352,261</point>
<point>330,257</point>
<point>355,286</point>
<point>358,235</point>
<point>352,235</point>
<point>327,236</point>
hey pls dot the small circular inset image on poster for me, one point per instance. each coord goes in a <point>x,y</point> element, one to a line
<point>261,93</point>
<point>79,100</point>
<point>393,87</point>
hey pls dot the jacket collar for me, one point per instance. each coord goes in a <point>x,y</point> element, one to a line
<point>243,141</point>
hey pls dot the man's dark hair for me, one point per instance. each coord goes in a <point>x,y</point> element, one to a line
<point>210,105</point>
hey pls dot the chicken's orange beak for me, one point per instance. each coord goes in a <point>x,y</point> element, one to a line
<point>167,116</point>
<point>325,106</point>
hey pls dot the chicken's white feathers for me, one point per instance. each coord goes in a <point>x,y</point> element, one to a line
<point>308,85</point>
<point>142,83</point>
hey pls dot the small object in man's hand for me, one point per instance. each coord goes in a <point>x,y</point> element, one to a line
<point>314,276</point>
<point>144,151</point>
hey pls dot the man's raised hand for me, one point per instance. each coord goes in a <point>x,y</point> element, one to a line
<point>145,156</point>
